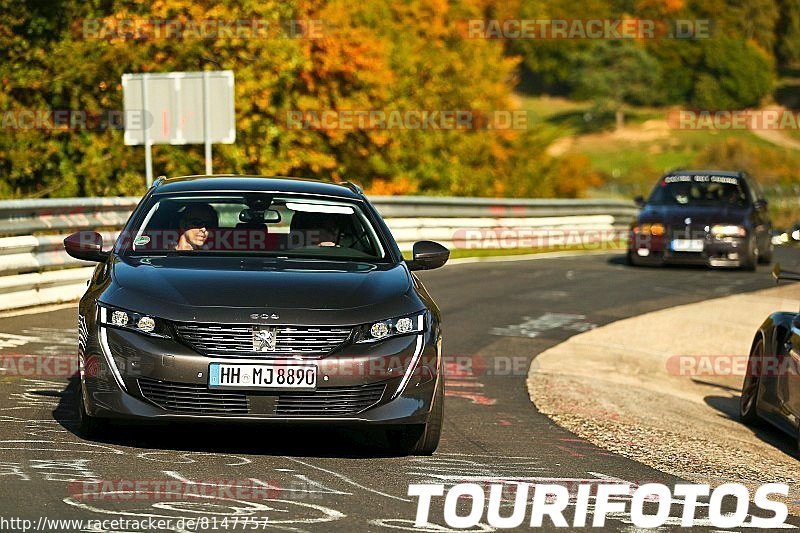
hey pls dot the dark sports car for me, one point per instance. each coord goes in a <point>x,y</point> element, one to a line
<point>771,387</point>
<point>260,299</point>
<point>711,218</point>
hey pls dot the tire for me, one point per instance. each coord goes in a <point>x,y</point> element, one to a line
<point>89,427</point>
<point>766,257</point>
<point>752,256</point>
<point>629,258</point>
<point>747,401</point>
<point>424,439</point>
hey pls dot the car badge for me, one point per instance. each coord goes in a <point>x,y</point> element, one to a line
<point>265,338</point>
<point>687,220</point>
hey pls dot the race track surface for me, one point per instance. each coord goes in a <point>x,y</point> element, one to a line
<point>497,317</point>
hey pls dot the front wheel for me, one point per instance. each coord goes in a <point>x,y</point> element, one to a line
<point>423,440</point>
<point>89,427</point>
<point>766,257</point>
<point>749,397</point>
<point>752,256</point>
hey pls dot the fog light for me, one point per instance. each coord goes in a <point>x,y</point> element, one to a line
<point>379,330</point>
<point>146,324</point>
<point>733,256</point>
<point>404,325</point>
<point>644,252</point>
<point>119,318</point>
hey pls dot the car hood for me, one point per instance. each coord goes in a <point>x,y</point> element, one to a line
<point>232,289</point>
<point>699,215</point>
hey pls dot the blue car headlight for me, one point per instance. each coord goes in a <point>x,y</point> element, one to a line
<point>393,327</point>
<point>114,317</point>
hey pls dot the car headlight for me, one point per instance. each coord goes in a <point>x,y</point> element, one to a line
<point>394,327</point>
<point>726,230</point>
<point>656,230</point>
<point>115,317</point>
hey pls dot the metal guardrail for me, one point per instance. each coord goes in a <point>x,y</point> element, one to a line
<point>35,270</point>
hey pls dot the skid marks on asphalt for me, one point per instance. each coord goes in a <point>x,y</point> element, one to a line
<point>462,382</point>
<point>531,327</point>
<point>41,340</point>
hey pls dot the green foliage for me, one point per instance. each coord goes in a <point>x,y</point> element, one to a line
<point>735,75</point>
<point>614,73</point>
<point>381,55</point>
<point>747,38</point>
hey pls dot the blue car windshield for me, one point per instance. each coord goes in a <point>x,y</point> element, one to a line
<point>249,224</point>
<point>700,190</point>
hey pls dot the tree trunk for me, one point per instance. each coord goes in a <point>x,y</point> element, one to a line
<point>620,116</point>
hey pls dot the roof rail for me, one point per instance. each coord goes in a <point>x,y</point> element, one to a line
<point>159,181</point>
<point>352,186</point>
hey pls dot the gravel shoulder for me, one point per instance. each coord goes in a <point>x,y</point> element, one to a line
<point>619,386</point>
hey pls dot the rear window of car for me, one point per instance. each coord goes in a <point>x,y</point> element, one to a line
<point>696,190</point>
<point>255,224</point>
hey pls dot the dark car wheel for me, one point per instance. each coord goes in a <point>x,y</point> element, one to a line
<point>747,401</point>
<point>752,256</point>
<point>89,427</point>
<point>423,440</point>
<point>765,257</point>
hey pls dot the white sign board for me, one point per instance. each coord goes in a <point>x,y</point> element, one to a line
<point>179,108</point>
<point>174,106</point>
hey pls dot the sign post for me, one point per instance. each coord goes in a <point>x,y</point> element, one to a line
<point>177,109</point>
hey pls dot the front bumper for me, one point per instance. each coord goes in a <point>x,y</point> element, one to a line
<point>162,379</point>
<point>730,252</point>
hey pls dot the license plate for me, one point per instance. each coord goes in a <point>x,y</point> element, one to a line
<point>687,245</point>
<point>276,377</point>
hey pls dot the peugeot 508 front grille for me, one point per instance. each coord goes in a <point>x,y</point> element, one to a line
<point>237,340</point>
<point>333,401</point>
<point>193,398</point>
<point>196,398</point>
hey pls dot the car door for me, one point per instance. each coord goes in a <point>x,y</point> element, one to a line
<point>788,380</point>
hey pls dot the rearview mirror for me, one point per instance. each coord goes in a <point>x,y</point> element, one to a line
<point>428,255</point>
<point>86,245</point>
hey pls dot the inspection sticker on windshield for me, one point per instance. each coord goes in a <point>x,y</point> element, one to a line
<point>687,245</point>
<point>279,377</point>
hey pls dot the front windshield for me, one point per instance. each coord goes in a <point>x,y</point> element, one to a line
<point>256,224</point>
<point>700,190</point>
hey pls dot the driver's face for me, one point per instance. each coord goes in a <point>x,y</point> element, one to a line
<point>195,225</point>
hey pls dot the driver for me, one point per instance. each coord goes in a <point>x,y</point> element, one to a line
<point>194,226</point>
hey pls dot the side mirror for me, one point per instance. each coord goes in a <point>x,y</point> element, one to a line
<point>639,201</point>
<point>428,255</point>
<point>86,245</point>
<point>761,204</point>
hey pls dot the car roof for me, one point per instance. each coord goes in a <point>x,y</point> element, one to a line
<point>202,183</point>
<point>728,173</point>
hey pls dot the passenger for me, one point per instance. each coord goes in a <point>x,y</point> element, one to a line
<point>325,235</point>
<point>195,224</point>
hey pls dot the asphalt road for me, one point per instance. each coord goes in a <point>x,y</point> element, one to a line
<point>497,317</point>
